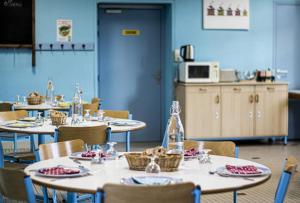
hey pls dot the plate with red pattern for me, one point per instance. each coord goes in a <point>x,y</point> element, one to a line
<point>62,172</point>
<point>243,170</point>
<point>87,155</point>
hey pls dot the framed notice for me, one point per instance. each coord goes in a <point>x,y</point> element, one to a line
<point>64,30</point>
<point>226,14</point>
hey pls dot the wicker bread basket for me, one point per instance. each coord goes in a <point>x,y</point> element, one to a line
<point>58,118</point>
<point>167,162</point>
<point>35,100</point>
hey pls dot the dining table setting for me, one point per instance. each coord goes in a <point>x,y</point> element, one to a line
<point>87,171</point>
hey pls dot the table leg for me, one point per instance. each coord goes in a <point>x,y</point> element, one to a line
<point>41,139</point>
<point>32,143</point>
<point>127,141</point>
<point>72,197</point>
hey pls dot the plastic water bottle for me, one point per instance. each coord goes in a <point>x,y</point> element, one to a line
<point>50,92</point>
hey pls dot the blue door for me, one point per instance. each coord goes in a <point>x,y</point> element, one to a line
<point>130,66</point>
<point>287,56</point>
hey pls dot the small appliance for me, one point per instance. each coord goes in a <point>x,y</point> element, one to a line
<point>228,75</point>
<point>199,72</point>
<point>187,52</point>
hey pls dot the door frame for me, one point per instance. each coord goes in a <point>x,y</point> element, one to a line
<point>167,45</point>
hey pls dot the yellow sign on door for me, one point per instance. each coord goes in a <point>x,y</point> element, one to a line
<point>130,32</point>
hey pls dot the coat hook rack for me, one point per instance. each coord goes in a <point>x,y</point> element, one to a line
<point>65,46</point>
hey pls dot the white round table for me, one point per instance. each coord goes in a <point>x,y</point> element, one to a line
<point>39,107</point>
<point>112,171</point>
<point>49,129</point>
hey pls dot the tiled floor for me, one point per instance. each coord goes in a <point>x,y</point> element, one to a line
<point>271,155</point>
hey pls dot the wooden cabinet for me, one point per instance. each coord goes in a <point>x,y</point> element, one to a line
<point>271,107</point>
<point>206,102</point>
<point>235,110</point>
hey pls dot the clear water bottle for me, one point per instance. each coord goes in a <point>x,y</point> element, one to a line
<point>174,134</point>
<point>77,109</point>
<point>50,92</point>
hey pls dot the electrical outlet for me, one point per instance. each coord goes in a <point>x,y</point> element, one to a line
<point>177,57</point>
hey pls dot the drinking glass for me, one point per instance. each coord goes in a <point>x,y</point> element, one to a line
<point>87,115</point>
<point>40,119</point>
<point>24,100</point>
<point>152,167</point>
<point>100,115</point>
<point>203,156</point>
<point>111,152</point>
<point>18,99</point>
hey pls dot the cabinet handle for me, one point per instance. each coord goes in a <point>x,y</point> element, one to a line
<point>237,89</point>
<point>217,99</point>
<point>251,99</point>
<point>271,88</point>
<point>217,115</point>
<point>256,98</point>
<point>250,114</point>
<point>202,89</point>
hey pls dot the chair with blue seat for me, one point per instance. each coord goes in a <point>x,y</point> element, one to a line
<point>13,137</point>
<point>121,114</point>
<point>175,193</point>
<point>285,179</point>
<point>16,185</point>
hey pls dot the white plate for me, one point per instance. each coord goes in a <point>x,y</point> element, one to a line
<point>222,171</point>
<point>83,172</point>
<point>77,155</point>
<point>150,180</point>
<point>28,119</point>
<point>124,122</point>
<point>21,125</point>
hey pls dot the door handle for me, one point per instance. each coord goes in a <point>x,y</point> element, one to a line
<point>256,98</point>
<point>237,89</point>
<point>251,99</point>
<point>217,100</point>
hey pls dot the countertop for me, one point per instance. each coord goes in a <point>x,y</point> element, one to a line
<point>235,83</point>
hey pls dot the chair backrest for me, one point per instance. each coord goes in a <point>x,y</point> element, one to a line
<point>59,149</point>
<point>15,185</point>
<point>285,179</point>
<point>96,100</point>
<point>1,156</point>
<point>93,107</point>
<point>117,114</point>
<point>177,193</point>
<point>90,135</point>
<point>5,106</point>
<point>12,115</point>
<point>221,148</point>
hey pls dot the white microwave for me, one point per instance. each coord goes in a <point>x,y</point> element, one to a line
<point>199,72</point>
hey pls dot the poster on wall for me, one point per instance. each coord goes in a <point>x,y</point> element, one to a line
<point>226,14</point>
<point>64,30</point>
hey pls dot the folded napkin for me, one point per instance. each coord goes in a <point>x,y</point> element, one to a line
<point>247,169</point>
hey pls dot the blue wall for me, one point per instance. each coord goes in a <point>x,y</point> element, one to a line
<point>239,49</point>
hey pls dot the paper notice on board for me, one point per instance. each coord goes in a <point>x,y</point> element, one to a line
<point>64,30</point>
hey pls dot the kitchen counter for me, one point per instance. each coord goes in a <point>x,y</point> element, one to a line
<point>246,82</point>
<point>294,94</point>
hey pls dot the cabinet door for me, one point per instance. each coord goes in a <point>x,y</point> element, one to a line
<point>237,111</point>
<point>271,110</point>
<point>202,112</point>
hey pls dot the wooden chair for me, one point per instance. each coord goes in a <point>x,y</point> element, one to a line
<point>56,150</point>
<point>5,106</point>
<point>285,179</point>
<point>13,137</point>
<point>177,193</point>
<point>97,101</point>
<point>221,148</point>
<point>16,185</point>
<point>91,135</point>
<point>59,149</point>
<point>93,107</point>
<point>122,114</point>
